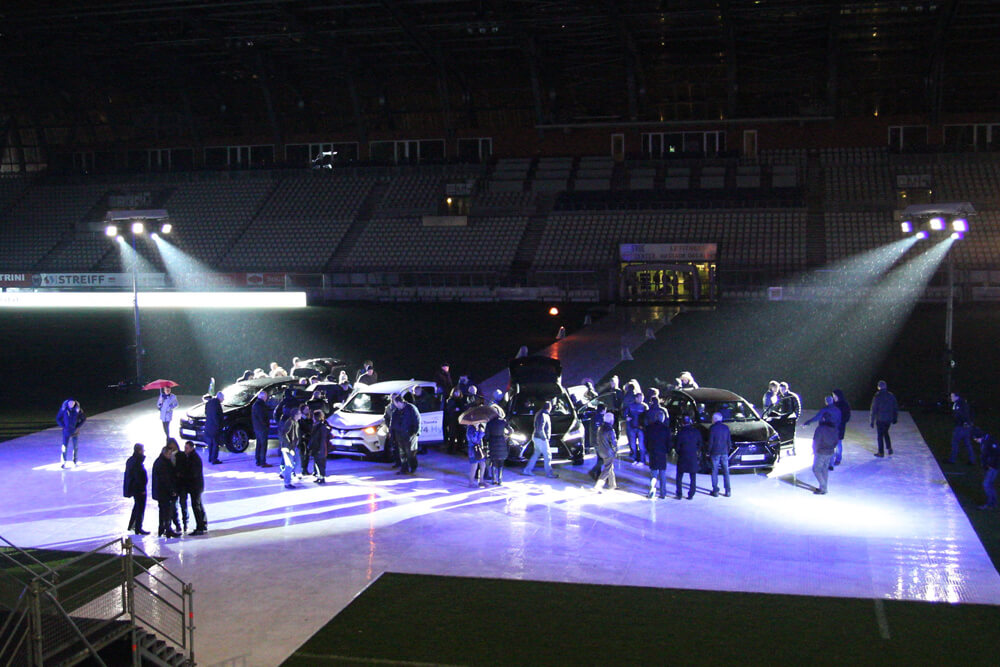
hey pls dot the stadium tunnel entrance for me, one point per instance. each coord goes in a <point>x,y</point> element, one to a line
<point>668,272</point>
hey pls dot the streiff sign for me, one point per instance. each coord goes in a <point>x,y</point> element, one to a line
<point>111,280</point>
<point>668,252</point>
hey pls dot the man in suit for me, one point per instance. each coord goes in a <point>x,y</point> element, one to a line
<point>260,417</point>
<point>191,484</point>
<point>134,487</point>
<point>883,415</point>
<point>213,426</point>
<point>164,492</point>
<point>688,445</point>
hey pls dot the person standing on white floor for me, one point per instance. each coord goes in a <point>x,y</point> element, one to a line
<point>540,442</point>
<point>824,445</point>
<point>70,418</point>
<point>167,403</point>
<point>288,437</point>
<point>720,443</point>
<point>607,450</point>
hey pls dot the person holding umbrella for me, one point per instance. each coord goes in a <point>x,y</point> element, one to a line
<point>167,403</point>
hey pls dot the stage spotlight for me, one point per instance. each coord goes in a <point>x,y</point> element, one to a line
<point>921,235</point>
<point>958,236</point>
<point>138,228</point>
<point>111,230</point>
<point>553,311</point>
<point>907,227</point>
<point>960,225</point>
<point>166,228</point>
<point>936,224</point>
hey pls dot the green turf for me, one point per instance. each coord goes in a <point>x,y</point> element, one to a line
<point>439,620</point>
<point>80,577</point>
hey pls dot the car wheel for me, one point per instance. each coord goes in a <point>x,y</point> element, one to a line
<point>237,440</point>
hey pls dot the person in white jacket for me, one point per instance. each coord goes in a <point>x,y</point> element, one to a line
<point>167,403</point>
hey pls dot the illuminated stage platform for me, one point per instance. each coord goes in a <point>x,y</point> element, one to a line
<point>277,565</point>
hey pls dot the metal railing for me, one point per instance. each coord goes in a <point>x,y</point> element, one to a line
<point>66,614</point>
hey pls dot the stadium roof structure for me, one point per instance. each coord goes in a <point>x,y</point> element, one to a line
<point>554,61</point>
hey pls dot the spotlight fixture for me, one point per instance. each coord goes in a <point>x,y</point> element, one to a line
<point>936,224</point>
<point>958,236</point>
<point>922,234</point>
<point>111,230</point>
<point>138,228</point>
<point>907,227</point>
<point>166,228</point>
<point>960,225</point>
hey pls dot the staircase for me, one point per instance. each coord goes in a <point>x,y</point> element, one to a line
<point>815,219</point>
<point>532,237</point>
<point>361,221</point>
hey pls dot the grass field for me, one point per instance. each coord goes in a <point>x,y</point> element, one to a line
<point>433,620</point>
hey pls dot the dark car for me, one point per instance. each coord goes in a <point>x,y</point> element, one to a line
<point>755,442</point>
<point>239,396</point>
<point>322,366</point>
<point>534,380</point>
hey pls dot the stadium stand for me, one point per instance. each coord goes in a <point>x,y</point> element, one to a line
<point>853,232</point>
<point>768,239</point>
<point>42,217</point>
<point>404,244</point>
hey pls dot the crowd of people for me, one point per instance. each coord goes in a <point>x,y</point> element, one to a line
<point>177,478</point>
<point>625,412</point>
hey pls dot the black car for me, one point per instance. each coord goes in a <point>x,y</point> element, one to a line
<point>534,380</point>
<point>322,366</point>
<point>755,442</point>
<point>239,396</point>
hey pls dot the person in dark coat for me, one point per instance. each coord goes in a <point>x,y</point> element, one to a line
<point>319,440</point>
<point>688,444</point>
<point>592,421</point>
<point>305,432</point>
<point>824,444</point>
<point>406,431</point>
<point>961,433</point>
<point>287,402</point>
<point>720,443</point>
<point>884,413</point>
<point>989,455</point>
<point>454,405</point>
<point>476,444</point>
<point>607,452</point>
<point>70,417</point>
<point>657,438</point>
<point>366,374</point>
<point>443,381</point>
<point>635,410</point>
<point>134,487</point>
<point>191,484</point>
<point>164,492</point>
<point>213,426</point>
<point>840,402</point>
<point>260,417</point>
<point>496,445</point>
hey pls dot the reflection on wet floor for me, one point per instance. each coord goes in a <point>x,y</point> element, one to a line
<point>890,528</point>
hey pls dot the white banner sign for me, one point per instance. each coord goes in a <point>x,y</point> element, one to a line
<point>668,252</point>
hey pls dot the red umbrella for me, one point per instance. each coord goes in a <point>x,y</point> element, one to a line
<point>160,384</point>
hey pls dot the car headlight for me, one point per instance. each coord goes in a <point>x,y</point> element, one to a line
<point>575,433</point>
<point>519,438</point>
<point>369,430</point>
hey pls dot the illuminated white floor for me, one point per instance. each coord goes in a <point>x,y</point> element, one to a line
<point>276,564</point>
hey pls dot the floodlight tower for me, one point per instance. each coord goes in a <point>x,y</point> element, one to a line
<point>136,221</point>
<point>942,220</point>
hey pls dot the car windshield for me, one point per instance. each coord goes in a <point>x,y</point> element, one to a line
<point>238,394</point>
<point>529,402</point>
<point>731,411</point>
<point>367,404</point>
